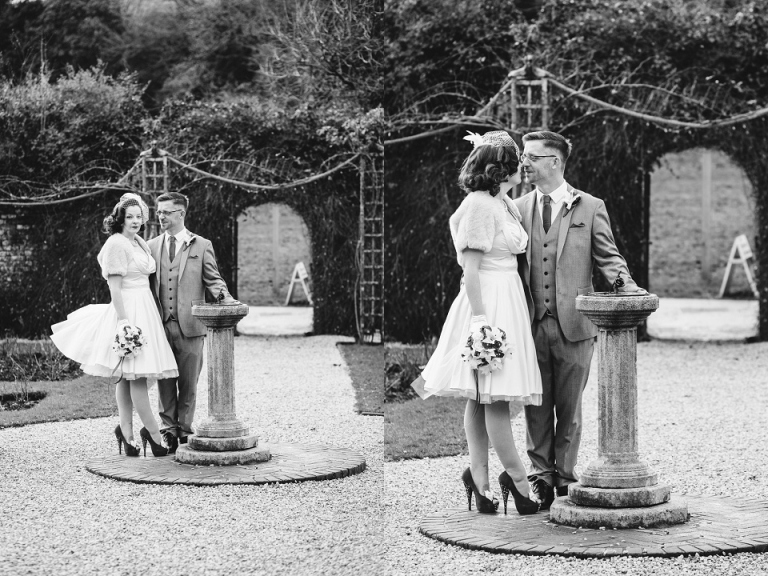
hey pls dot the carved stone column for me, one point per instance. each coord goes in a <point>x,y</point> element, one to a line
<point>222,438</point>
<point>617,490</point>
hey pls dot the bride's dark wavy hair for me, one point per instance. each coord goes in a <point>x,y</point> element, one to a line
<point>487,167</point>
<point>113,224</point>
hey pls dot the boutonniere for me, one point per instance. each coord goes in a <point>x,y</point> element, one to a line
<point>189,241</point>
<point>575,199</point>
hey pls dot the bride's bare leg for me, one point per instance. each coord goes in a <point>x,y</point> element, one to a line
<point>125,408</point>
<point>500,432</point>
<point>477,441</point>
<point>140,397</point>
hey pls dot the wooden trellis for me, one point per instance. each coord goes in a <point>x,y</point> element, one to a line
<point>152,176</point>
<point>370,300</point>
<point>528,98</point>
<point>523,104</point>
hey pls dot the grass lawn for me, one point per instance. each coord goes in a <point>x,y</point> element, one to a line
<point>424,428</point>
<point>83,397</point>
<point>366,369</point>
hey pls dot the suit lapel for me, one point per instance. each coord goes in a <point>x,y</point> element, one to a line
<point>528,206</point>
<point>185,250</point>
<point>565,224</point>
<point>155,247</point>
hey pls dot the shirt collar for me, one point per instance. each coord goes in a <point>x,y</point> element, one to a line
<point>181,237</point>
<point>557,195</point>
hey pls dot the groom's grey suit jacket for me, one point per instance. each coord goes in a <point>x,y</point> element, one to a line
<point>198,277</point>
<point>584,238</point>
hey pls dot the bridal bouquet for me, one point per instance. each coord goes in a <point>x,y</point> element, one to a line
<point>129,341</point>
<point>485,349</point>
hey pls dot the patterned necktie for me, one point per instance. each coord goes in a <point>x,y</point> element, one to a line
<point>546,215</point>
<point>172,248</point>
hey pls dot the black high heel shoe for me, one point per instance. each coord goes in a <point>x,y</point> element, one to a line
<point>130,449</point>
<point>157,449</point>
<point>484,505</point>
<point>524,505</point>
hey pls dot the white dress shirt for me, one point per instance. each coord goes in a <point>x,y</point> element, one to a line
<point>181,237</point>
<point>558,197</point>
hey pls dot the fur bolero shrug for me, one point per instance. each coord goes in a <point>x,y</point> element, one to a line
<point>117,253</point>
<point>477,221</point>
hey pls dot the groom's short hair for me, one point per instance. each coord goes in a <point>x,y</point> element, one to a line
<point>551,140</point>
<point>176,197</point>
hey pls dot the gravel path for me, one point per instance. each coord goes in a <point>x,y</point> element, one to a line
<point>57,518</point>
<point>703,415</point>
<point>702,426</point>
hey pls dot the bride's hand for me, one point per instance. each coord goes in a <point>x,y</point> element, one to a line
<point>477,322</point>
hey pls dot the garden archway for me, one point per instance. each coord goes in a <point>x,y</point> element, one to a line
<point>271,239</point>
<point>700,202</point>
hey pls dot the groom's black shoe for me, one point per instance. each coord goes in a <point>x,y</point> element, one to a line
<point>544,493</point>
<point>562,491</point>
<point>171,441</point>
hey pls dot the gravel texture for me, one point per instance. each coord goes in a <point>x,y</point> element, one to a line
<point>702,426</point>
<point>57,518</point>
<point>703,415</point>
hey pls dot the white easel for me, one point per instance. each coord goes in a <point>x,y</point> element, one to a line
<point>741,253</point>
<point>299,276</point>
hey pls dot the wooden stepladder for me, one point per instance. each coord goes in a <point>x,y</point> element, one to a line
<point>299,277</point>
<point>741,253</point>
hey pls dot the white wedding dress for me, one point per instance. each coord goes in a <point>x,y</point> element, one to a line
<point>519,379</point>
<point>87,334</point>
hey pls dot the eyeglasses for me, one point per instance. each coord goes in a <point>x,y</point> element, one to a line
<point>167,212</point>
<point>533,157</point>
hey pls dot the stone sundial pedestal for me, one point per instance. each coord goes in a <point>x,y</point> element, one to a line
<point>224,450</point>
<point>222,438</point>
<point>617,490</point>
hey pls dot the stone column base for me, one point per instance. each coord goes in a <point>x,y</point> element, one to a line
<point>618,497</point>
<point>201,443</point>
<point>187,455</point>
<point>563,511</point>
<point>210,428</point>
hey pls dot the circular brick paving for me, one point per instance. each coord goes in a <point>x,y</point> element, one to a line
<point>289,463</point>
<point>717,524</point>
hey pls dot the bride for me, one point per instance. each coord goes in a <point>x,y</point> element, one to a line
<point>488,235</point>
<point>87,334</point>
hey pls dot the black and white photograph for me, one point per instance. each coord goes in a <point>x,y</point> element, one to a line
<point>387,287</point>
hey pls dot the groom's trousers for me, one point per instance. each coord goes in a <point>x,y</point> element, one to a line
<point>554,428</point>
<point>177,396</point>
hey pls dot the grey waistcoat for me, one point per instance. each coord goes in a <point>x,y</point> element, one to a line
<point>544,264</point>
<point>169,283</point>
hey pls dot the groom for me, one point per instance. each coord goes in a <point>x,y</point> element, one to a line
<point>569,231</point>
<point>186,270</point>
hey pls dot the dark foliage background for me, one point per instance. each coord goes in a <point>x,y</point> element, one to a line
<point>267,142</point>
<point>283,90</point>
<point>448,57</point>
<point>293,51</point>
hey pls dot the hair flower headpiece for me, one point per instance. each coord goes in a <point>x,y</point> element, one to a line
<point>495,138</point>
<point>131,199</point>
